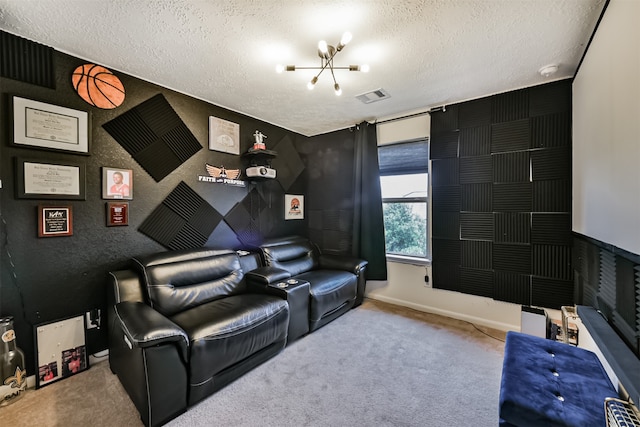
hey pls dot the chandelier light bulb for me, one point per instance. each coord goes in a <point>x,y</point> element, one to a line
<point>336,87</point>
<point>364,68</point>
<point>279,68</point>
<point>322,47</point>
<point>346,38</point>
<point>312,83</point>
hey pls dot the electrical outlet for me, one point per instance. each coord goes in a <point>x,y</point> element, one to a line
<point>93,319</point>
<point>427,283</point>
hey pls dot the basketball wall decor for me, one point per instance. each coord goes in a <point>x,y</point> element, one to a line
<point>98,86</point>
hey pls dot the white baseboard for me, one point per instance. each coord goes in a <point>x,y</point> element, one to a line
<point>454,315</point>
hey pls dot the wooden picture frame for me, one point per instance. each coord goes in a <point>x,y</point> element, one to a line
<point>48,179</point>
<point>55,221</point>
<point>224,136</point>
<point>49,127</point>
<point>117,213</point>
<point>60,349</point>
<point>117,183</point>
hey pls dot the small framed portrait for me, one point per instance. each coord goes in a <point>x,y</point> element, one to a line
<point>293,206</point>
<point>117,183</point>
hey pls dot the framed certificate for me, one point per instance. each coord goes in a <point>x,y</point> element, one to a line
<point>54,221</point>
<point>37,179</point>
<point>49,127</point>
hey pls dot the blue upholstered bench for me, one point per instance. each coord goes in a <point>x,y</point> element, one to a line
<point>548,383</point>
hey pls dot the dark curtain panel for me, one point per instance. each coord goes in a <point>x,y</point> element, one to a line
<point>368,224</point>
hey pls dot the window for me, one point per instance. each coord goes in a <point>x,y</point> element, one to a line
<point>404,184</point>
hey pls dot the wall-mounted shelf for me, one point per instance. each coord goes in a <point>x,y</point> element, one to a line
<point>260,157</point>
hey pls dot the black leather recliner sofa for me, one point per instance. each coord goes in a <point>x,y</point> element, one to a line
<point>183,324</point>
<point>336,282</point>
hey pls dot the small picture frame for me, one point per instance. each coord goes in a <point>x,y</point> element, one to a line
<point>117,214</point>
<point>224,136</point>
<point>117,183</point>
<point>293,206</point>
<point>55,221</point>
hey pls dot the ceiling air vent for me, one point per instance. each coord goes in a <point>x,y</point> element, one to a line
<point>373,96</point>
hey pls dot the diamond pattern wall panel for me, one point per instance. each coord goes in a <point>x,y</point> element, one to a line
<point>288,164</point>
<point>476,226</point>
<point>444,145</point>
<point>510,136</point>
<point>155,136</point>
<point>475,169</point>
<point>183,220</point>
<point>26,61</point>
<point>475,141</point>
<point>251,219</point>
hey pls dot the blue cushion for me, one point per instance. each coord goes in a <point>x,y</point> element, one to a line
<point>548,383</point>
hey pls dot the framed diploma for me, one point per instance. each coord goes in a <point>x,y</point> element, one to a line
<point>54,221</point>
<point>49,127</point>
<point>36,179</point>
<point>117,213</point>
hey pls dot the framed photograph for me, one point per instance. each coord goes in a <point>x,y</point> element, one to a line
<point>224,136</point>
<point>49,127</point>
<point>117,213</point>
<point>55,221</point>
<point>293,206</point>
<point>38,179</point>
<point>60,350</point>
<point>117,183</point>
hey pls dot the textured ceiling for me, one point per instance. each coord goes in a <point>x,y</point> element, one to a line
<point>423,53</point>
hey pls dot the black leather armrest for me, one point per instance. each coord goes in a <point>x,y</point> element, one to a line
<point>266,275</point>
<point>145,327</point>
<point>339,262</point>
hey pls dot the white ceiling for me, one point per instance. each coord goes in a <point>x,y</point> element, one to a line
<point>423,53</point>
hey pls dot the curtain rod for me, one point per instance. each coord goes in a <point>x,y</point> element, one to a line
<point>433,110</point>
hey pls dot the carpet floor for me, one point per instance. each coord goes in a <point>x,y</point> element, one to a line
<point>378,365</point>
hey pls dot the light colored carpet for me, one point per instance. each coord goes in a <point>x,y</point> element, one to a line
<point>377,365</point>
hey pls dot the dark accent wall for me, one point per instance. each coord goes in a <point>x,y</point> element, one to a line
<point>46,279</point>
<point>501,196</point>
<point>608,279</point>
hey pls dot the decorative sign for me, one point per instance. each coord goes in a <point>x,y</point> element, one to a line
<point>293,206</point>
<point>55,221</point>
<point>224,136</point>
<point>221,175</point>
<point>40,125</point>
<point>98,86</point>
<point>117,213</point>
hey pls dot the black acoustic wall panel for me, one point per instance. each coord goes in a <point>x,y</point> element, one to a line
<point>444,145</point>
<point>251,219</point>
<point>514,171</point>
<point>551,292</point>
<point>477,282</point>
<point>476,169</point>
<point>475,141</point>
<point>288,164</point>
<point>155,136</point>
<point>476,197</point>
<point>448,250</point>
<point>446,275</point>
<point>445,225</point>
<point>476,226</point>
<point>512,287</point>
<point>183,220</point>
<point>510,136</point>
<point>26,61</point>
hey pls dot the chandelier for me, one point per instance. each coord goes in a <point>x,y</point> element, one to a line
<point>326,53</point>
